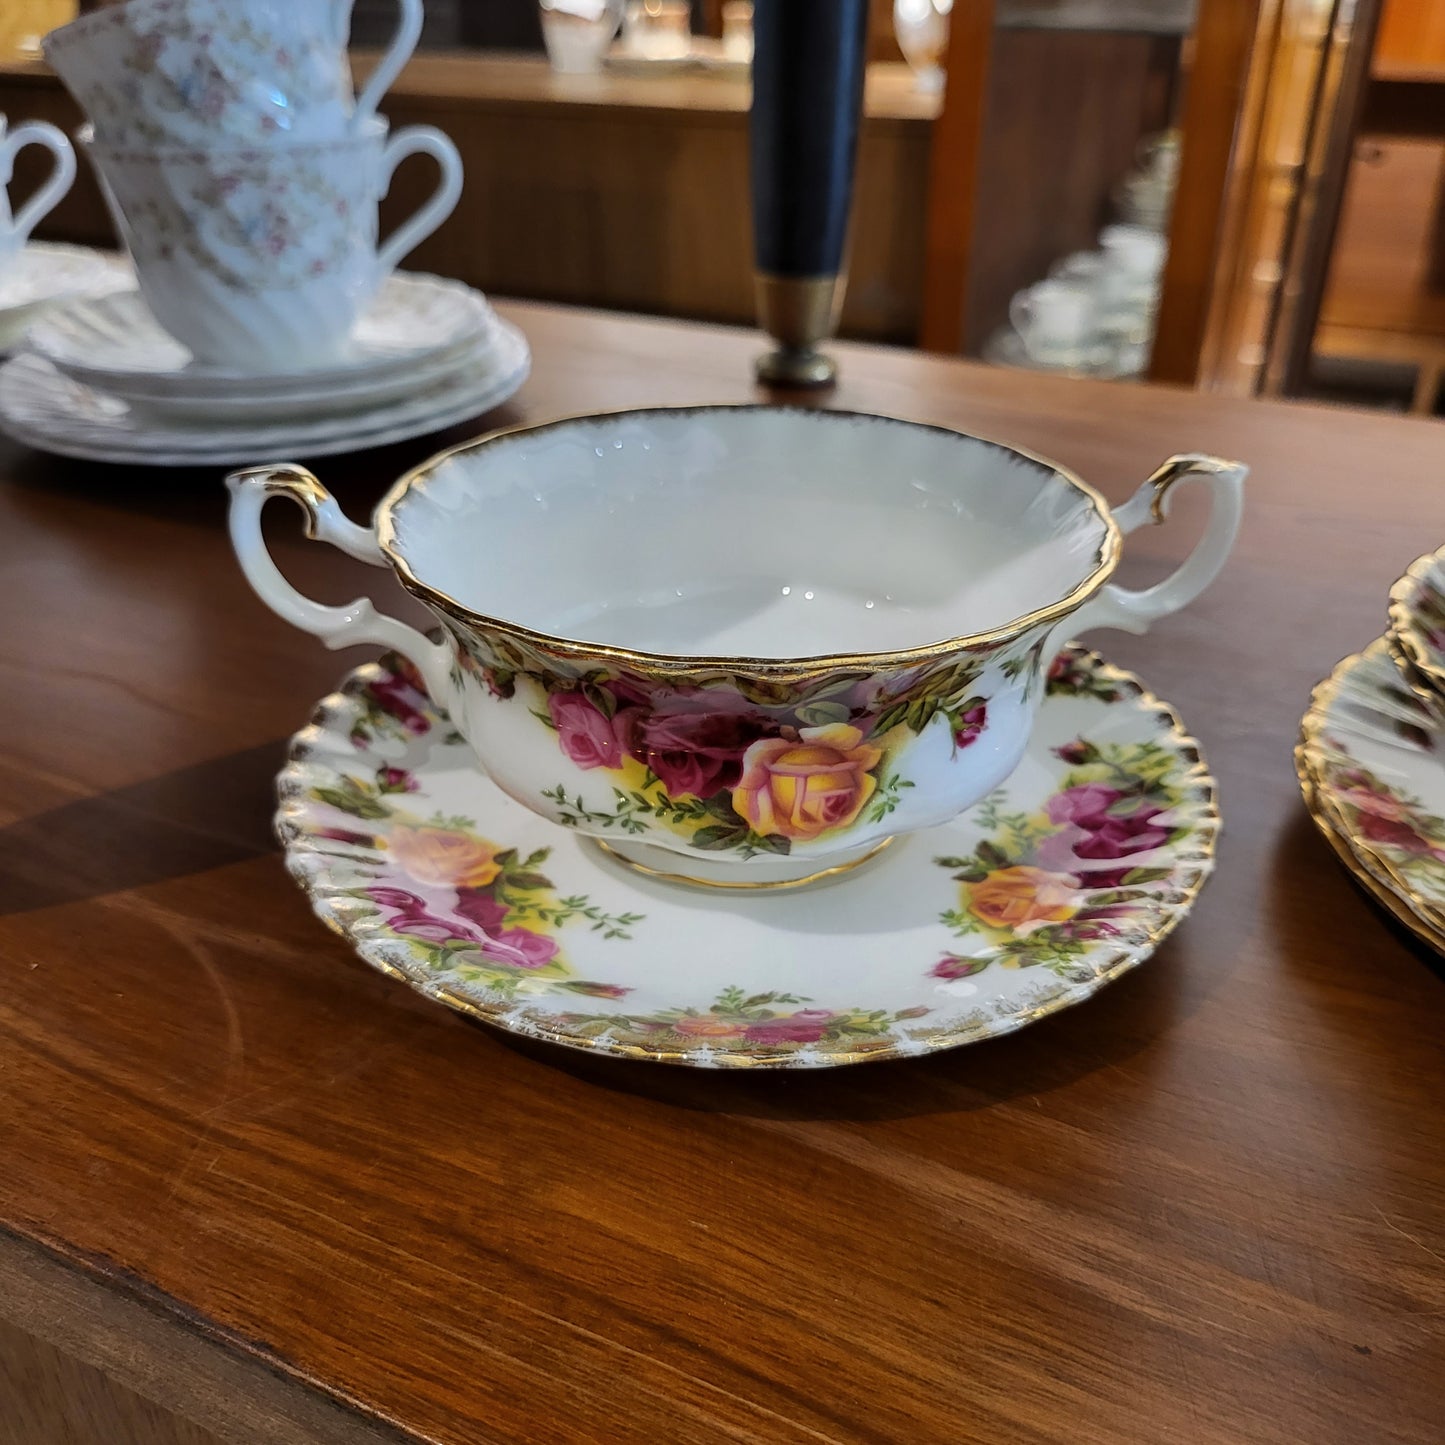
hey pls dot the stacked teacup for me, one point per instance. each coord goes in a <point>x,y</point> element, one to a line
<point>242,173</point>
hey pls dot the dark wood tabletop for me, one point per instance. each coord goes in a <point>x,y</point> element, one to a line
<point>252,1191</point>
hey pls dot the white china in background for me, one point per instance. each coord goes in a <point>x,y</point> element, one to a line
<point>921,29</point>
<point>15,227</point>
<point>222,72</point>
<point>264,259</point>
<point>45,273</point>
<point>791,709</point>
<point>1055,318</point>
<point>52,412</point>
<point>114,344</point>
<point>578,32</point>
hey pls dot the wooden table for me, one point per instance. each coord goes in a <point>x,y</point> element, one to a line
<point>252,1191</point>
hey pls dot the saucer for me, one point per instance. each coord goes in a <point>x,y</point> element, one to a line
<point>1417,620</point>
<point>1369,762</point>
<point>1064,878</point>
<point>45,272</point>
<point>54,413</point>
<point>115,345</point>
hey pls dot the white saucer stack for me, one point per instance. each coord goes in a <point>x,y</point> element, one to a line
<point>100,379</point>
<point>244,175</point>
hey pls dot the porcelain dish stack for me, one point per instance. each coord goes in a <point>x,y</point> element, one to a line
<point>244,176</point>
<point>1371,757</point>
<point>34,274</point>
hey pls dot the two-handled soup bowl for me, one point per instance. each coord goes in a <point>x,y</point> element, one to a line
<point>742,646</point>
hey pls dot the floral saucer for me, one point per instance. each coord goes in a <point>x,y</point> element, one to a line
<point>1064,878</point>
<point>1417,621</point>
<point>1369,761</point>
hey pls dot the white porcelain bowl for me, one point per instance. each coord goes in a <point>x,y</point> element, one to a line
<point>741,644</point>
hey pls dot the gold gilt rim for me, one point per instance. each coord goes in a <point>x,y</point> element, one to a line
<point>1371,871</point>
<point>1402,625</point>
<point>1196,864</point>
<point>771,668</point>
<point>777,885</point>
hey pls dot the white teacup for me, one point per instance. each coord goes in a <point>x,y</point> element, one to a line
<point>263,260</point>
<point>1055,318</point>
<point>15,229</point>
<point>743,645</point>
<point>1136,250</point>
<point>222,72</point>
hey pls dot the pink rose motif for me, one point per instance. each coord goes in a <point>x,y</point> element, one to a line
<point>396,780</point>
<point>1076,753</point>
<point>695,744</point>
<point>804,788</point>
<point>1084,804</point>
<point>519,947</point>
<point>951,966</point>
<point>970,726</point>
<point>411,918</point>
<point>345,835</point>
<point>588,736</point>
<point>806,1026</point>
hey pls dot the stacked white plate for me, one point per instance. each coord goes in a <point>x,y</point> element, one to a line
<point>46,272</point>
<point>99,379</point>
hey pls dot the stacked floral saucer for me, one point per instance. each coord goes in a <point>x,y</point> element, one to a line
<point>44,273</point>
<point>102,380</point>
<point>1371,751</point>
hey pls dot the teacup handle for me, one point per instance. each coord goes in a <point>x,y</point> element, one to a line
<point>403,43</point>
<point>39,132</point>
<point>419,140</point>
<point>1133,610</point>
<point>344,626</point>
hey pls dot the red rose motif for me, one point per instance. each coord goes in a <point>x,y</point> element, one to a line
<point>398,699</point>
<point>1391,831</point>
<point>806,1026</point>
<point>950,966</point>
<point>695,743</point>
<point>971,726</point>
<point>480,909</point>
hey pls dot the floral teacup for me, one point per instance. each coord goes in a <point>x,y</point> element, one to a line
<point>740,645</point>
<point>222,72</point>
<point>264,259</point>
<point>15,229</point>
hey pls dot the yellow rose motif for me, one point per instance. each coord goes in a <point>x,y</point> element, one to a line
<point>444,856</point>
<point>1018,896</point>
<point>804,788</point>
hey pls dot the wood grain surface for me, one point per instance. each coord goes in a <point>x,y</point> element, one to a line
<point>1205,1208</point>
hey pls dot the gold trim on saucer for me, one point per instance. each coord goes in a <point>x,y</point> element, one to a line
<point>1401,633</point>
<point>603,846</point>
<point>1370,869</point>
<point>771,669</point>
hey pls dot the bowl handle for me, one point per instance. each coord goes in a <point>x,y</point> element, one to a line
<point>354,622</point>
<point>1134,610</point>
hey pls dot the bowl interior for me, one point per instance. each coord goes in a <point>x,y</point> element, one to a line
<point>747,532</point>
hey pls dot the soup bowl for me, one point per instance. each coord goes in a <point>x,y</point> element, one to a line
<point>740,646</point>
